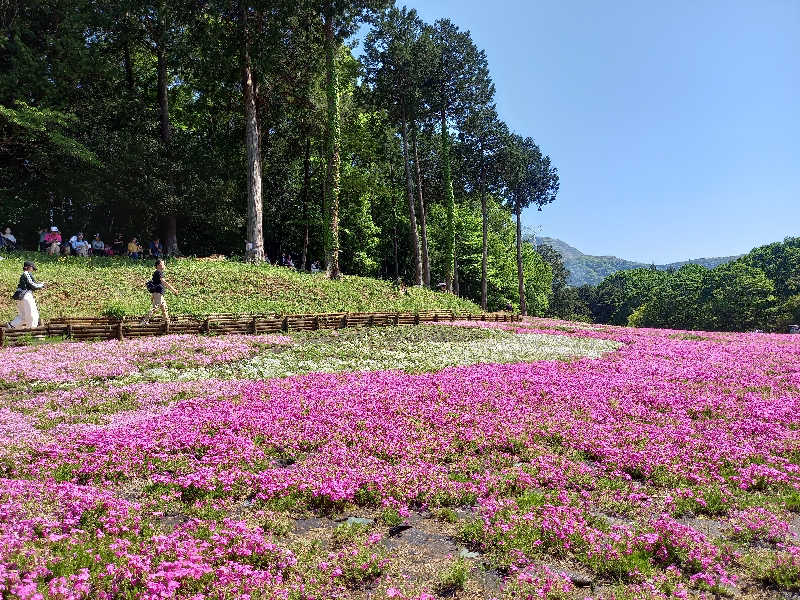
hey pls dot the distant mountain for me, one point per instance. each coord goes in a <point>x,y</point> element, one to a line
<point>586,268</point>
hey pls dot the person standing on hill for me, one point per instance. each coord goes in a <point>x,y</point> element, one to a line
<point>27,312</point>
<point>156,288</point>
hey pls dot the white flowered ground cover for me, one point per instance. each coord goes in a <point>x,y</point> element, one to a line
<point>534,460</point>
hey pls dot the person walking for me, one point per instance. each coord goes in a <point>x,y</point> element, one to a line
<point>156,288</point>
<point>27,311</point>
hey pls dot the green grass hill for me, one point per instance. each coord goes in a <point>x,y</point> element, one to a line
<point>93,286</point>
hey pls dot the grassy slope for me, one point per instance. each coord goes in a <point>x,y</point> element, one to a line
<point>87,286</point>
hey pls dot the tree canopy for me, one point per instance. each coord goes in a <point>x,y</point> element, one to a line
<point>252,129</point>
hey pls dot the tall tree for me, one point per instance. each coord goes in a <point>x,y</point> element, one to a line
<point>160,36</point>
<point>255,208</point>
<point>340,19</point>
<point>482,136</point>
<point>461,81</point>
<point>389,56</point>
<point>529,179</point>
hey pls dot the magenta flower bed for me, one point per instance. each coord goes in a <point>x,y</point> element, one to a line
<point>599,463</point>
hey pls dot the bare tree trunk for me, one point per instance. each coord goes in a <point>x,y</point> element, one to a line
<point>255,232</point>
<point>163,99</point>
<point>306,189</point>
<point>426,266</point>
<point>171,236</point>
<point>520,278</point>
<point>394,227</point>
<point>411,213</point>
<point>169,221</point>
<point>485,246</point>
<point>449,201</point>
<point>324,200</point>
<point>456,286</point>
<point>332,188</point>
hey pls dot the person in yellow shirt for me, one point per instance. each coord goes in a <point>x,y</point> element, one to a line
<point>134,249</point>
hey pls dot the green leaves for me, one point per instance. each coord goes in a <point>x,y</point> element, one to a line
<point>33,126</point>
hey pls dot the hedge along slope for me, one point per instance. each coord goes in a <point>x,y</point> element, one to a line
<point>92,286</point>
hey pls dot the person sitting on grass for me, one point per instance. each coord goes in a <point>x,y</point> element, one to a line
<point>98,246</point>
<point>155,249</point>
<point>118,245</point>
<point>80,247</point>
<point>9,241</point>
<point>134,249</point>
<point>156,288</point>
<point>52,240</point>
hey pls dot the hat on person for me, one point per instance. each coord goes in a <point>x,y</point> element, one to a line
<point>28,264</point>
<point>96,235</point>
<point>54,228</point>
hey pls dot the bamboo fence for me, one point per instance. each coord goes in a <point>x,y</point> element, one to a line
<point>109,328</point>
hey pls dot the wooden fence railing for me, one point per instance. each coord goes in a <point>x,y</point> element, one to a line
<point>108,328</point>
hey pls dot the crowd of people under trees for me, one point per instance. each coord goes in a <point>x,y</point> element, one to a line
<point>53,243</point>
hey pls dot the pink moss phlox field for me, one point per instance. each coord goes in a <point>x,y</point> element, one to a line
<point>546,452</point>
<point>68,362</point>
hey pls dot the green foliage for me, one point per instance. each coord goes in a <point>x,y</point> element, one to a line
<point>730,297</point>
<point>623,292</point>
<point>781,571</point>
<point>35,125</point>
<point>502,285</point>
<point>114,309</point>
<point>736,297</point>
<point>780,262</point>
<point>390,517</point>
<point>757,291</point>
<point>453,578</point>
<point>675,302</point>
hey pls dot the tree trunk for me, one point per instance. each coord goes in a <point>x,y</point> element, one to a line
<point>456,287</point>
<point>171,236</point>
<point>414,237</point>
<point>332,188</point>
<point>255,232</point>
<point>324,199</point>
<point>426,266</point>
<point>450,204</point>
<point>306,189</point>
<point>485,245</point>
<point>163,99</point>
<point>520,278</point>
<point>169,220</point>
<point>394,227</point>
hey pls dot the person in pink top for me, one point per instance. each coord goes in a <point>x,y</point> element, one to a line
<point>52,240</point>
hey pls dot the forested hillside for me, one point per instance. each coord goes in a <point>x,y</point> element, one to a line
<point>760,290</point>
<point>251,128</point>
<point>587,269</point>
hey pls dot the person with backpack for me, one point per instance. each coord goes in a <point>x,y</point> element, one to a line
<point>27,311</point>
<point>156,288</point>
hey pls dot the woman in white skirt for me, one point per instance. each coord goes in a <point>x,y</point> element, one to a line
<point>27,312</point>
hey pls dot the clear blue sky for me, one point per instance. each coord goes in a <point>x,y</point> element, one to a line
<point>675,126</point>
